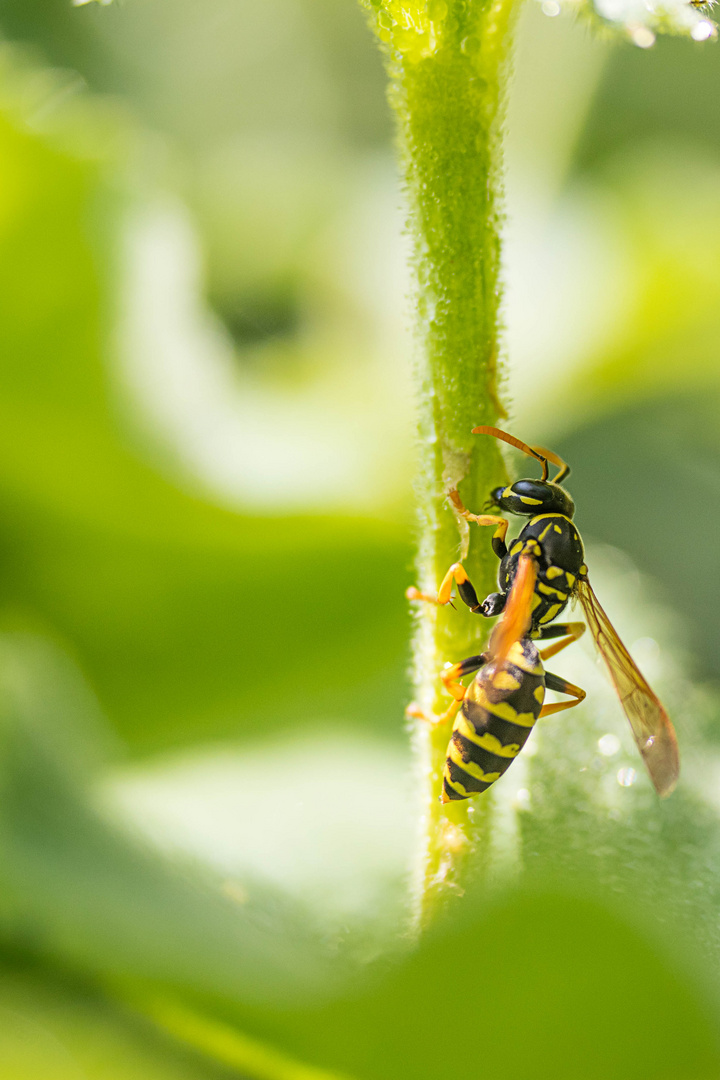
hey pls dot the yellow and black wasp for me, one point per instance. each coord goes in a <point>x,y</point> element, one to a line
<point>539,573</point>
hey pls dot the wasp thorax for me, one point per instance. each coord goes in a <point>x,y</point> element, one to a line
<point>533,497</point>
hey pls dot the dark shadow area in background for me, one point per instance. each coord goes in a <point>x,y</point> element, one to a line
<point>647,479</point>
<point>645,93</point>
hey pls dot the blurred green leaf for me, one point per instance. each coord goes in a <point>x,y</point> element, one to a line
<point>573,969</point>
<point>74,886</point>
<point>55,1029</point>
<point>536,983</point>
<point>189,620</point>
<point>666,339</point>
<point>617,896</point>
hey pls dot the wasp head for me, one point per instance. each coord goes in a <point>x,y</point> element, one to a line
<point>531,497</point>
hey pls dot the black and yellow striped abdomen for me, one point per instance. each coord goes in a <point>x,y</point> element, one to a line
<point>498,713</point>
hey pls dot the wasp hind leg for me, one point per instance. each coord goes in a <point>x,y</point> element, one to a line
<point>414,712</point>
<point>561,686</point>
<point>567,632</point>
<point>451,681</point>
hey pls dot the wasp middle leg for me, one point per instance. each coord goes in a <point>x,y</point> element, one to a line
<point>561,686</point>
<point>569,632</point>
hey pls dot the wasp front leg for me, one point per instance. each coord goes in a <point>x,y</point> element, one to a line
<point>457,572</point>
<point>498,541</point>
<point>465,588</point>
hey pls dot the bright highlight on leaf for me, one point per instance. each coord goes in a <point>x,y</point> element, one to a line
<point>642,20</point>
<point>415,30</point>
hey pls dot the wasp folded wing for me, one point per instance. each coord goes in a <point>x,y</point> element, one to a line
<point>651,725</point>
<point>517,616</point>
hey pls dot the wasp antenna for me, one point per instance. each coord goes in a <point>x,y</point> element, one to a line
<point>512,441</point>
<point>563,467</point>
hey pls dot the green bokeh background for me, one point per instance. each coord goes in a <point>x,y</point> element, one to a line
<point>207,820</point>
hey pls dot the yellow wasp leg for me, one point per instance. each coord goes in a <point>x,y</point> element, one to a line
<point>561,686</point>
<point>569,632</point>
<point>454,672</point>
<point>479,519</point>
<point>451,676</point>
<point>498,540</point>
<point>455,573</point>
<point>414,711</point>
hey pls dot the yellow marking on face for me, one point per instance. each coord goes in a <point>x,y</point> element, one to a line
<point>503,680</point>
<point>554,571</point>
<point>539,693</point>
<point>487,741</point>
<point>471,767</point>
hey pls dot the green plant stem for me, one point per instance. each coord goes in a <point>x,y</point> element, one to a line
<point>448,68</point>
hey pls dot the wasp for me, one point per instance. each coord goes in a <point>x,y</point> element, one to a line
<point>540,572</point>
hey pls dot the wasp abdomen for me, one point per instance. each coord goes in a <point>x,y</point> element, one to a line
<point>498,713</point>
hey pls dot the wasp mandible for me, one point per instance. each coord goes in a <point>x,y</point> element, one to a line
<point>539,573</point>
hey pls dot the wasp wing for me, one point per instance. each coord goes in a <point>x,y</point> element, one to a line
<point>517,616</point>
<point>651,725</point>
